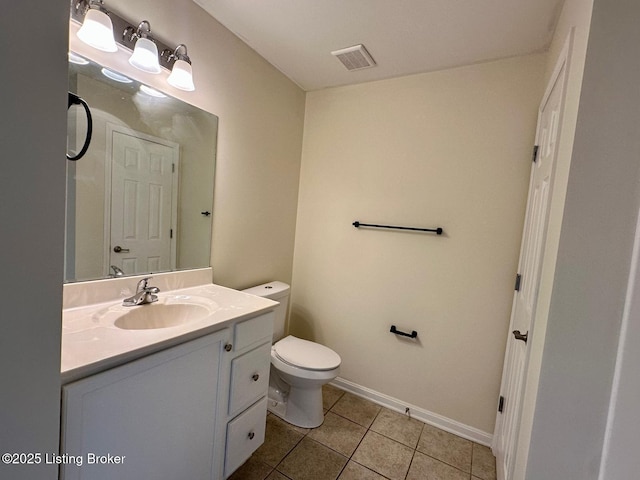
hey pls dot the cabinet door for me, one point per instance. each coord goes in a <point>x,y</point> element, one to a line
<point>156,413</point>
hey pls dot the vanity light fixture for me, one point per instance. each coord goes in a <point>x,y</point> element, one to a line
<point>181,74</point>
<point>97,29</point>
<point>145,52</point>
<point>138,39</point>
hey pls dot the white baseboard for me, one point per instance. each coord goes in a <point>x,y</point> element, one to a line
<point>451,426</point>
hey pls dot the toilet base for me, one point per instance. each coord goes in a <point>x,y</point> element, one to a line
<point>301,407</point>
<point>277,401</point>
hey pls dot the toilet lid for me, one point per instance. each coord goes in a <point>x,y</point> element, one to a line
<point>306,354</point>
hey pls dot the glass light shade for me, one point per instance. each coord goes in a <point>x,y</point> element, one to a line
<point>145,56</point>
<point>181,76</point>
<point>97,31</point>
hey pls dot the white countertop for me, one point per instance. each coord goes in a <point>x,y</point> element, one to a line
<point>91,342</point>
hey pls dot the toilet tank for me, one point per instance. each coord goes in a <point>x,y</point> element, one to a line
<point>279,292</point>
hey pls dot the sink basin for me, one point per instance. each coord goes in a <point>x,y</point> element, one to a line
<point>166,313</point>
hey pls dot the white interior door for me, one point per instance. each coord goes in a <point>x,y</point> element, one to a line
<point>143,203</point>
<point>526,295</point>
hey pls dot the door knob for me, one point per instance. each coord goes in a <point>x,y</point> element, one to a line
<point>119,249</point>
<point>520,336</point>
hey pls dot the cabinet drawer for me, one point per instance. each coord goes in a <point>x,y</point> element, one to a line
<point>249,378</point>
<point>245,434</point>
<point>253,331</point>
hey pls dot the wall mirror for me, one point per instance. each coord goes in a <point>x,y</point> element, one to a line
<point>140,200</point>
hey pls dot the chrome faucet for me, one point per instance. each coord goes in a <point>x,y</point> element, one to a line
<point>117,271</point>
<point>144,294</point>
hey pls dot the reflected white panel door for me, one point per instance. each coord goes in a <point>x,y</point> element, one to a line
<point>143,204</point>
<point>526,295</point>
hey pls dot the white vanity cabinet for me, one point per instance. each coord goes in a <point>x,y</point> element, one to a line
<point>158,412</point>
<point>196,410</point>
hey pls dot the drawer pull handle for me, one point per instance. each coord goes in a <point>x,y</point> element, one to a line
<point>255,377</point>
<point>251,435</point>
<point>228,347</point>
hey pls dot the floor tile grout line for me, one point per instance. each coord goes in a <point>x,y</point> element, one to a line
<point>370,469</point>
<point>410,463</point>
<point>290,450</point>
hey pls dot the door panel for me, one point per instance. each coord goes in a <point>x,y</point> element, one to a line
<point>142,204</point>
<point>530,266</point>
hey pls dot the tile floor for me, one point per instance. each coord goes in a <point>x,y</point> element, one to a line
<point>360,440</point>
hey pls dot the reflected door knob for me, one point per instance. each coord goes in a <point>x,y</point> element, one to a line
<point>119,249</point>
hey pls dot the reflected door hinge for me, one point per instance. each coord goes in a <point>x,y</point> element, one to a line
<point>518,281</point>
<point>171,233</point>
<point>501,404</point>
<point>173,168</point>
<point>535,153</point>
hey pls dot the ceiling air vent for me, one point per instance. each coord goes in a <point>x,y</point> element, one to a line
<point>355,58</point>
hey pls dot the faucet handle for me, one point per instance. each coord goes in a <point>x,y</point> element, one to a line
<point>143,284</point>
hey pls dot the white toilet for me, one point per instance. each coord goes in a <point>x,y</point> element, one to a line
<point>299,367</point>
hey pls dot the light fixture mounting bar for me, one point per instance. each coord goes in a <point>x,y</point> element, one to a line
<point>120,26</point>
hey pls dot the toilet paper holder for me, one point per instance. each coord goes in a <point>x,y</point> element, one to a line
<point>394,330</point>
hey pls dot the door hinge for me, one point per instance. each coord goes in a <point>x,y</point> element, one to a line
<point>518,281</point>
<point>171,233</point>
<point>501,404</point>
<point>535,153</point>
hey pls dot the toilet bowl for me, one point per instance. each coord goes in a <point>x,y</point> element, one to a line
<point>299,367</point>
<point>303,367</point>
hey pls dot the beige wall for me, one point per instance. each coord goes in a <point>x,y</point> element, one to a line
<point>449,149</point>
<point>261,116</point>
<point>573,26</point>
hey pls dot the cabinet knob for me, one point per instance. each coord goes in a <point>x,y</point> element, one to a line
<point>228,347</point>
<point>251,435</point>
<point>255,377</point>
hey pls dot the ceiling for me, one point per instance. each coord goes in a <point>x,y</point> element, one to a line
<point>403,36</point>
